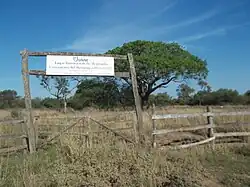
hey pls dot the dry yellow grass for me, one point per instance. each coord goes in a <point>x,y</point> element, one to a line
<point>111,162</point>
<point>4,114</point>
<point>54,121</point>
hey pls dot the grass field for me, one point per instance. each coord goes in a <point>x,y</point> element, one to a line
<point>111,162</point>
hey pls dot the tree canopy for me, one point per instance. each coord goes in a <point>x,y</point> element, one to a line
<point>158,64</point>
<point>103,93</point>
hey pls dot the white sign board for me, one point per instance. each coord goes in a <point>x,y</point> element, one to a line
<point>80,65</point>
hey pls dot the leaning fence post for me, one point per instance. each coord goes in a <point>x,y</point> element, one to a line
<point>210,121</point>
<point>137,99</point>
<point>31,130</point>
<point>154,127</point>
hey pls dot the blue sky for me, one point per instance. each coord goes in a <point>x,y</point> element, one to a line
<point>215,30</point>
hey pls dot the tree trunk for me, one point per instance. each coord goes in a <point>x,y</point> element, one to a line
<point>65,106</point>
<point>144,102</point>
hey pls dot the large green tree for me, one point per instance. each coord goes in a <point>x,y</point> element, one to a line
<point>158,64</point>
<point>96,92</point>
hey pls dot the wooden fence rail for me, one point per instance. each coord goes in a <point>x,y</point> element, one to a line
<point>23,136</point>
<point>206,114</point>
<point>183,129</point>
<point>13,149</point>
<point>210,126</point>
<point>78,122</point>
<point>11,122</point>
<point>12,136</point>
<point>193,144</point>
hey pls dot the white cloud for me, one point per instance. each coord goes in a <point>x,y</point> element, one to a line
<point>99,39</point>
<point>217,32</point>
<point>201,18</point>
<point>106,38</point>
<point>203,35</point>
<point>108,32</point>
<point>167,7</point>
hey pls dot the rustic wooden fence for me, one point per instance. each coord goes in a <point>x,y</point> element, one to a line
<point>79,122</point>
<point>22,135</point>
<point>210,126</point>
<point>26,72</point>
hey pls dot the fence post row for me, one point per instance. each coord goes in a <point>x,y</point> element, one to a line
<point>209,126</point>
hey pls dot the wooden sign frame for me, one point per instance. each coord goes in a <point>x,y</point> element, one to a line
<point>32,130</point>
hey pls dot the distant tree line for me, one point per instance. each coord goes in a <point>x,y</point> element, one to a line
<point>157,65</point>
<point>105,94</point>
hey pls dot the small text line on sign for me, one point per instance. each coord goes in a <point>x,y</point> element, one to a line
<point>80,65</point>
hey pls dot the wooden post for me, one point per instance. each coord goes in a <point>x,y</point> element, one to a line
<point>210,121</point>
<point>31,132</point>
<point>136,98</point>
<point>24,132</point>
<point>135,121</point>
<point>154,127</point>
<point>64,105</point>
<point>89,134</point>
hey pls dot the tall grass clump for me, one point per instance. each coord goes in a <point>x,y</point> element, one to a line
<point>114,163</point>
<point>68,163</point>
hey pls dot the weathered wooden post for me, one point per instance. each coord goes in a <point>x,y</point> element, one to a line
<point>135,123</point>
<point>24,131</point>
<point>137,99</point>
<point>210,121</point>
<point>154,128</point>
<point>89,133</point>
<point>31,130</point>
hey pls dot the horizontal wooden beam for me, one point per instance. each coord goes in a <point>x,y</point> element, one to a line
<point>11,122</point>
<point>243,113</point>
<point>12,149</point>
<point>86,133</point>
<point>228,134</point>
<point>235,124</point>
<point>171,116</point>
<point>40,53</point>
<point>122,74</point>
<point>165,131</point>
<point>192,144</point>
<point>12,136</point>
<point>82,116</point>
<point>42,72</point>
